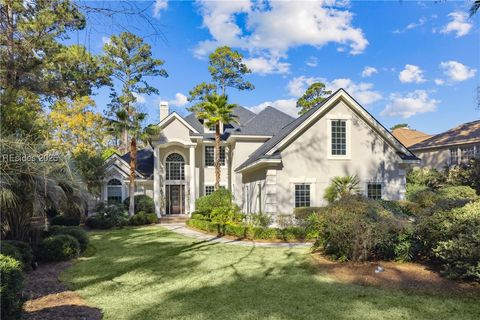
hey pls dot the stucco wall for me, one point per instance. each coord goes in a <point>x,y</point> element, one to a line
<point>306,160</point>
<point>439,158</point>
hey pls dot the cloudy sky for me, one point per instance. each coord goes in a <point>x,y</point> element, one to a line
<point>413,62</point>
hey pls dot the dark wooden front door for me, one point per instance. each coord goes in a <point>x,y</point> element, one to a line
<point>175,197</point>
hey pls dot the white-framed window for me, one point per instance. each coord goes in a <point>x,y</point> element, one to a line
<point>338,137</point>
<point>467,153</point>
<point>454,156</point>
<point>374,190</point>
<point>210,156</point>
<point>114,191</point>
<point>209,190</point>
<point>175,167</point>
<point>302,195</point>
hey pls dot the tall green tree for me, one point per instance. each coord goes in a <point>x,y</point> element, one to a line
<point>215,109</point>
<point>36,67</point>
<point>399,125</point>
<point>130,61</point>
<point>315,94</point>
<point>227,70</point>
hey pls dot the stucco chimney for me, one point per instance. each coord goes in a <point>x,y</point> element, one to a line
<point>164,110</point>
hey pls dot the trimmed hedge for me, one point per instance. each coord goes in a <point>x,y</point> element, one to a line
<point>62,220</point>
<point>143,218</point>
<point>142,203</point>
<point>458,193</point>
<point>59,248</point>
<point>18,250</point>
<point>304,212</point>
<point>258,233</point>
<point>11,287</point>
<point>75,232</point>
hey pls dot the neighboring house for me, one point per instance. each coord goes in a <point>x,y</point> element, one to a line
<point>271,162</point>
<point>450,147</point>
<point>409,137</point>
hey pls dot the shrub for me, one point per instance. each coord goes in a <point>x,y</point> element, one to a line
<point>18,250</point>
<point>11,287</point>
<point>399,208</point>
<point>58,248</point>
<point>142,218</point>
<point>304,212</point>
<point>266,233</point>
<point>75,232</point>
<point>424,197</point>
<point>341,187</point>
<point>236,230</point>
<point>293,233</point>
<point>458,193</point>
<point>429,178</point>
<point>458,246</point>
<point>203,225</point>
<point>220,198</point>
<point>198,216</point>
<point>467,174</point>
<point>259,219</point>
<point>142,203</point>
<point>62,220</point>
<point>357,229</point>
<point>107,216</point>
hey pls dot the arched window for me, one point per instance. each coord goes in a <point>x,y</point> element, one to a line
<point>175,167</point>
<point>114,191</point>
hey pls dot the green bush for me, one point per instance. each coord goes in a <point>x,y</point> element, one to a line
<point>58,248</point>
<point>107,216</point>
<point>142,203</point>
<point>293,233</point>
<point>11,287</point>
<point>62,220</point>
<point>75,232</point>
<point>266,233</point>
<point>465,174</point>
<point>429,178</point>
<point>198,216</point>
<point>18,250</point>
<point>304,212</point>
<point>357,229</point>
<point>259,219</point>
<point>142,218</point>
<point>234,230</point>
<point>400,208</point>
<point>220,198</point>
<point>458,193</point>
<point>458,245</point>
<point>203,225</point>
<point>423,196</point>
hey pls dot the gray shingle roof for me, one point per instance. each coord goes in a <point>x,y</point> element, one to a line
<point>268,122</point>
<point>144,161</point>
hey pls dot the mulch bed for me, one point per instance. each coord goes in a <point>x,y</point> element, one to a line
<point>49,299</point>
<point>404,276</point>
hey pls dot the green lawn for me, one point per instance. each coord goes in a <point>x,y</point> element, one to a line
<point>152,273</point>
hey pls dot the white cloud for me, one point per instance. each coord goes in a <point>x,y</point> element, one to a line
<point>411,74</point>
<point>412,25</point>
<point>363,92</point>
<point>368,72</point>
<point>159,6</point>
<point>139,98</point>
<point>412,103</point>
<point>457,71</point>
<point>267,65</point>
<point>439,82</point>
<point>106,40</point>
<point>458,25</point>
<point>271,29</point>
<point>179,101</point>
<point>289,106</point>
<point>312,62</point>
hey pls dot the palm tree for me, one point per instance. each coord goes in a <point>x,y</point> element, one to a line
<point>342,187</point>
<point>215,109</point>
<point>130,121</point>
<point>474,8</point>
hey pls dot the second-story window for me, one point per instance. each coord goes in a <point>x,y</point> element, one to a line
<point>210,156</point>
<point>339,137</point>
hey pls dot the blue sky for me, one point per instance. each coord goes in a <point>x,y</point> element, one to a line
<point>413,62</point>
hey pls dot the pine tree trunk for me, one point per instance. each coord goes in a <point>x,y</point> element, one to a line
<point>217,156</point>
<point>133,164</point>
<point>10,74</point>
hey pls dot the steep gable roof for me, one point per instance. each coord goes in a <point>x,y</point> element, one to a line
<point>268,122</point>
<point>410,137</point>
<point>465,133</point>
<point>269,149</point>
<point>144,161</point>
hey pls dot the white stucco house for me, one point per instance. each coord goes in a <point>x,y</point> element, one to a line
<point>271,162</point>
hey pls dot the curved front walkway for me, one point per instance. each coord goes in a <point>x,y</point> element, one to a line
<point>180,228</point>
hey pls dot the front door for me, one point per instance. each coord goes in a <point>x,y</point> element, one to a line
<point>175,196</point>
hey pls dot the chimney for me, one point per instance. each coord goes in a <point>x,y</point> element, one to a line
<point>164,110</point>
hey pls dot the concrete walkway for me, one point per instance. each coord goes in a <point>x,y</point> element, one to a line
<point>180,228</point>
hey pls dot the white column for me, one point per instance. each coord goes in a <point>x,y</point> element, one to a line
<point>193,184</point>
<point>156,180</point>
<point>271,192</point>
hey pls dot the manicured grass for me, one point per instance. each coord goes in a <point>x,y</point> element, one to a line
<point>151,273</point>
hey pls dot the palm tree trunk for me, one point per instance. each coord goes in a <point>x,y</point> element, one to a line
<point>133,164</point>
<point>217,156</point>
